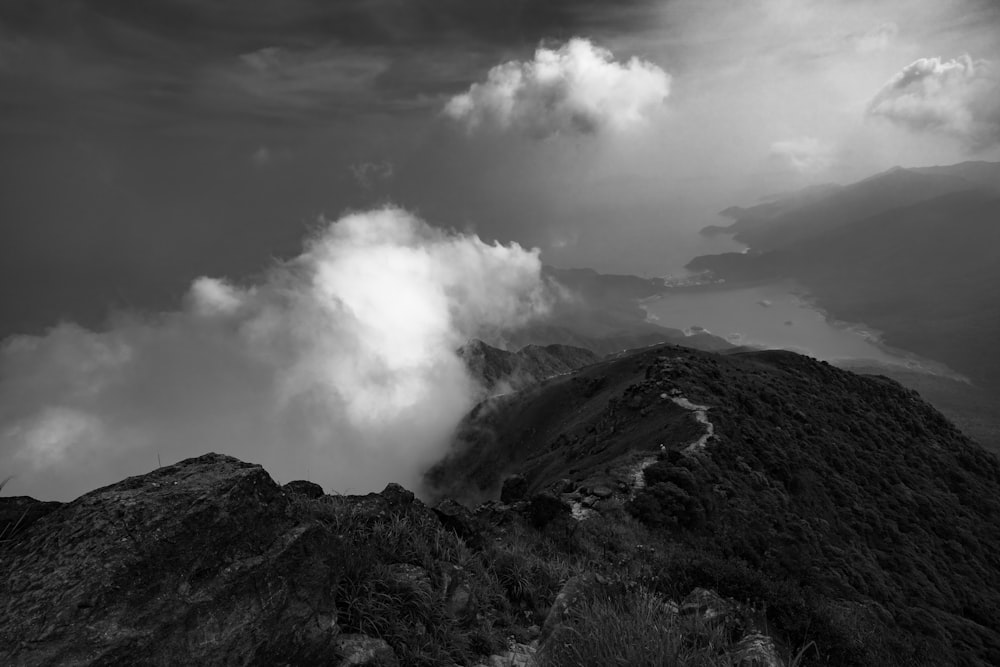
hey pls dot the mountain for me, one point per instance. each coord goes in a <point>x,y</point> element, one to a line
<point>976,411</point>
<point>820,209</point>
<point>210,562</point>
<point>603,313</point>
<point>927,275</point>
<point>856,512</point>
<point>662,506</point>
<point>497,369</point>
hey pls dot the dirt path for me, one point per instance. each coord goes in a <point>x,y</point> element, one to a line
<point>701,414</point>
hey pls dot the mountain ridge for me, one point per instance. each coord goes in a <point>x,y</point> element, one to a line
<point>850,486</point>
<point>832,516</point>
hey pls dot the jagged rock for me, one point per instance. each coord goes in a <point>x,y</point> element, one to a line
<point>396,495</point>
<point>756,650</point>
<point>493,513</point>
<point>514,488</point>
<point>202,562</point>
<point>365,651</point>
<point>304,488</point>
<point>457,518</point>
<point>17,513</point>
<point>544,508</point>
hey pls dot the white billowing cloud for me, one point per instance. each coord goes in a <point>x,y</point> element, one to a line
<point>576,89</point>
<point>338,366</point>
<point>959,97</point>
<point>803,154</point>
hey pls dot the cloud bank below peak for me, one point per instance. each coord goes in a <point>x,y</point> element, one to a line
<point>339,365</point>
<point>578,88</point>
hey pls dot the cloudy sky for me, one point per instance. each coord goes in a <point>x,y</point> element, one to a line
<point>145,144</point>
<point>219,217</point>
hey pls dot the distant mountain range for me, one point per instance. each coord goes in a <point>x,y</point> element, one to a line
<point>787,219</point>
<point>602,313</point>
<point>914,253</point>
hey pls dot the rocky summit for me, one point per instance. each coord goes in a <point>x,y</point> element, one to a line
<point>211,562</point>
<point>662,507</point>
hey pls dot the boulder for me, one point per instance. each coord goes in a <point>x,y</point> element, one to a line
<point>457,518</point>
<point>201,562</point>
<point>365,651</point>
<point>303,488</point>
<point>396,495</point>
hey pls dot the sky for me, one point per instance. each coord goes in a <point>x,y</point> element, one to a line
<point>145,144</point>
<point>148,150</point>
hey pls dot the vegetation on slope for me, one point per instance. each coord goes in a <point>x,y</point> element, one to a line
<point>855,512</point>
<point>208,561</point>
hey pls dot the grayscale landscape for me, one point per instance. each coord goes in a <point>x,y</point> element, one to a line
<point>500,333</point>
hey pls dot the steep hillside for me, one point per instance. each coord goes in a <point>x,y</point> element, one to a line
<point>663,507</point>
<point>858,514</point>
<point>210,562</point>
<point>974,410</point>
<point>502,370</point>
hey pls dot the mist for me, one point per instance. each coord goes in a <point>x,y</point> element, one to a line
<point>338,366</point>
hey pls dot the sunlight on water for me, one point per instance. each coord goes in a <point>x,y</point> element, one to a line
<point>774,315</point>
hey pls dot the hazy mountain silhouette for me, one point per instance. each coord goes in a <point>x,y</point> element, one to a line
<point>924,272</point>
<point>818,209</point>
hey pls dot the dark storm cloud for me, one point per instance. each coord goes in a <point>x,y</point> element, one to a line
<point>269,57</point>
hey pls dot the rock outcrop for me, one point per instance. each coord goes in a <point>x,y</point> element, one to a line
<point>202,562</point>
<point>210,562</point>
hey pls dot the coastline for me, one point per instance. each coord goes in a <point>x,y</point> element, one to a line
<point>807,300</point>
